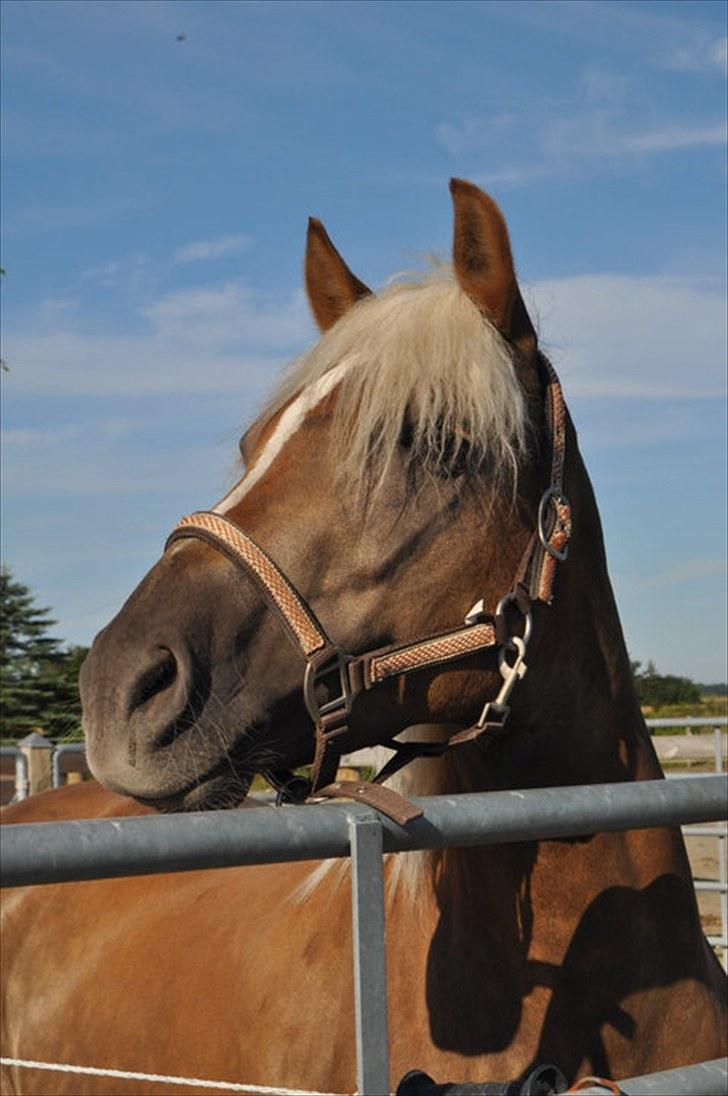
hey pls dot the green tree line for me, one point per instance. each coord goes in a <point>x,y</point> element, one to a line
<point>655,689</point>
<point>38,673</point>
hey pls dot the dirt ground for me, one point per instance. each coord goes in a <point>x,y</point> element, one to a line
<point>703,853</point>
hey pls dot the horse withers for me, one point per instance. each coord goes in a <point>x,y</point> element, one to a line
<point>408,498</point>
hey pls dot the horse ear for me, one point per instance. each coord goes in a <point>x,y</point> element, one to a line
<point>331,287</point>
<point>484,265</point>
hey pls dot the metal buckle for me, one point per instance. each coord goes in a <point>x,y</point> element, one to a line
<point>335,662</point>
<point>551,494</point>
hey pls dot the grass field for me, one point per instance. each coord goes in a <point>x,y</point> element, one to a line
<point>708,708</point>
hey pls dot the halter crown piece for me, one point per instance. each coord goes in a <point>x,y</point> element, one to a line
<point>333,679</point>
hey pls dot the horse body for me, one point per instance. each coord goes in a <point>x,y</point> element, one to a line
<point>494,961</point>
<point>584,952</point>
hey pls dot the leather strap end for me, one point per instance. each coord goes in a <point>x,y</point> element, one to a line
<point>384,800</point>
<point>359,673</point>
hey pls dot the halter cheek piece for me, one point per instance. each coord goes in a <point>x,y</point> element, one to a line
<point>333,679</point>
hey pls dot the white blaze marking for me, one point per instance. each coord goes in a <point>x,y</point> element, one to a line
<point>286,427</point>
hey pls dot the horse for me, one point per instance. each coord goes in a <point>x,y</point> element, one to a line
<point>412,489</point>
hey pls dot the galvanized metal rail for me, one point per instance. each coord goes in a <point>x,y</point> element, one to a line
<point>22,784</point>
<point>703,1079</point>
<point>62,749</point>
<point>56,852</point>
<point>105,848</point>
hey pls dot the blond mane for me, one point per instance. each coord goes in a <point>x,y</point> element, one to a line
<point>421,358</point>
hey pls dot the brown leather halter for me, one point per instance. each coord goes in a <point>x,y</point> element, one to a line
<point>333,679</point>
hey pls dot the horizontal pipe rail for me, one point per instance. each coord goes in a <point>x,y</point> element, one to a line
<point>62,750</point>
<point>55,852</point>
<point>710,885</point>
<point>690,721</point>
<point>703,1079</point>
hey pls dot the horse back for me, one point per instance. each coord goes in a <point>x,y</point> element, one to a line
<point>74,801</point>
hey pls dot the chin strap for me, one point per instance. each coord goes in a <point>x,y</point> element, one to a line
<point>333,679</point>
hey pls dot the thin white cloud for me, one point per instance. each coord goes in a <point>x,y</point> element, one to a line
<point>620,336</point>
<point>23,438</point>
<point>209,339</point>
<point>611,335</point>
<point>672,138</point>
<point>689,570</point>
<point>657,39</point>
<point>211,249</point>
<point>633,424</point>
<point>701,55</point>
<point>38,218</point>
<point>598,135</point>
<point>474,131</point>
<point>719,54</point>
<point>104,272</point>
<point>604,84</point>
<point>566,145</point>
<point>34,439</point>
<point>226,316</point>
<point>89,469</point>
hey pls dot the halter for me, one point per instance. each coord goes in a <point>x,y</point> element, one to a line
<point>333,679</point>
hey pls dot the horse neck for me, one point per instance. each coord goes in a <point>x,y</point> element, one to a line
<point>579,707</point>
<point>575,719</point>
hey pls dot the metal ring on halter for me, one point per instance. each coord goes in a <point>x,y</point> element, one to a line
<point>527,621</point>
<point>551,494</point>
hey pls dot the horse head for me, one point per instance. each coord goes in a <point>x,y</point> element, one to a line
<point>392,485</point>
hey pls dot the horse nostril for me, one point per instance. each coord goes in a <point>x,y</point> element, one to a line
<point>154,680</point>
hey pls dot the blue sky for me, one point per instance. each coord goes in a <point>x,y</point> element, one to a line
<point>155,197</point>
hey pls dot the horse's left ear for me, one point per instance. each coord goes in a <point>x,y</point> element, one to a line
<point>483,264</point>
<point>331,287</point>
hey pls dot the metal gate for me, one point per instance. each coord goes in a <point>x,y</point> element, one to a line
<point>105,848</point>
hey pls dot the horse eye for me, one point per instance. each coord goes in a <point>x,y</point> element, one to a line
<point>406,434</point>
<point>450,454</point>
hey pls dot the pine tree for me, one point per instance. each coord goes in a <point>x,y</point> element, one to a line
<point>39,679</point>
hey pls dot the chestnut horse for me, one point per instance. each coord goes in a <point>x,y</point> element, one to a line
<point>396,478</point>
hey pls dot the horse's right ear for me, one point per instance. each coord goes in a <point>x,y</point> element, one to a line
<point>331,287</point>
<point>483,264</point>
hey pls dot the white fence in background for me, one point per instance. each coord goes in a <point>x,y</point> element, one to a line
<point>61,758</point>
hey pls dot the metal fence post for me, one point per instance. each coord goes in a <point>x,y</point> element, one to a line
<point>370,968</point>
<point>21,772</point>
<point>722,852</point>
<point>22,781</point>
<point>59,751</point>
<point>37,750</point>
